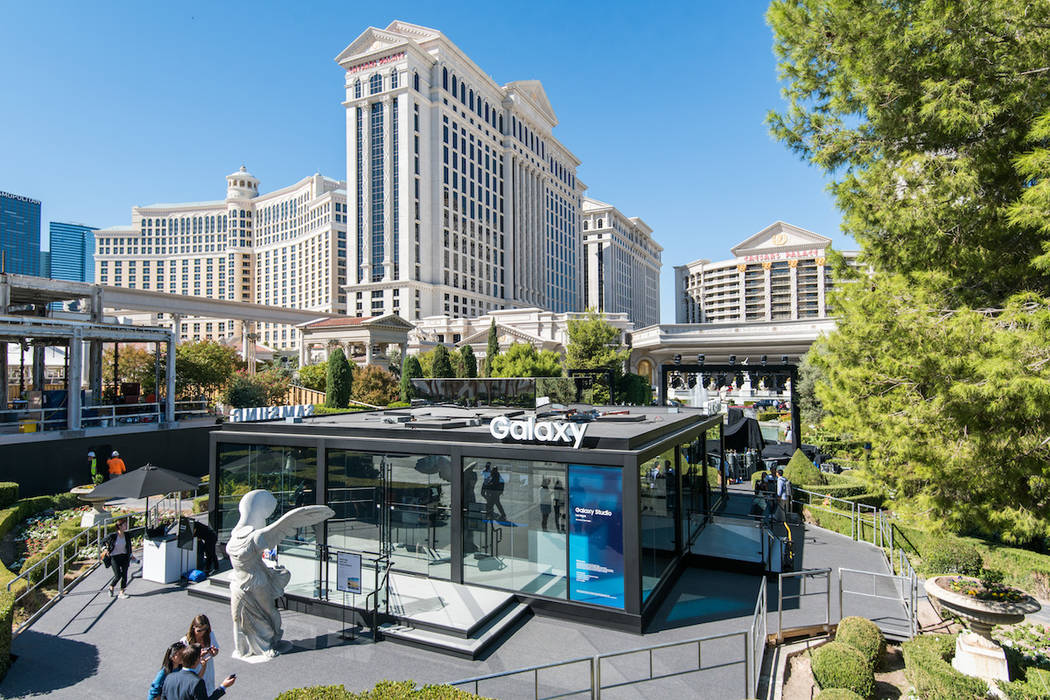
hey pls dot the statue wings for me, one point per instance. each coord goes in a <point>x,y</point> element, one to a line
<point>305,516</point>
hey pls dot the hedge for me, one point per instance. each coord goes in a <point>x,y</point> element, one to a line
<point>838,665</point>
<point>927,667</point>
<point>864,636</point>
<point>1035,685</point>
<point>384,690</point>
<point>838,694</point>
<point>953,557</point>
<point>7,617</point>
<point>8,493</point>
<point>800,470</point>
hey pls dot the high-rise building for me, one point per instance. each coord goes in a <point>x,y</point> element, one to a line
<point>460,198</point>
<point>19,234</point>
<point>285,248</point>
<point>778,274</point>
<point>72,252</point>
<point>621,271</point>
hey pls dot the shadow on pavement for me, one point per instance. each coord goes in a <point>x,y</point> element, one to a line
<point>703,595</point>
<point>47,663</point>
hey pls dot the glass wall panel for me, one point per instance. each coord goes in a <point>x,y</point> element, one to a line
<point>290,474</point>
<point>659,482</point>
<point>514,525</point>
<point>696,486</point>
<point>417,519</point>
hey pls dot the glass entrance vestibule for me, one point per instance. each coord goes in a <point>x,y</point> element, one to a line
<point>601,526</point>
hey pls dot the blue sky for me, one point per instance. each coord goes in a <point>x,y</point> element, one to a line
<point>109,105</point>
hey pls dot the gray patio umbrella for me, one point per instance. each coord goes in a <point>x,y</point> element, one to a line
<point>145,482</point>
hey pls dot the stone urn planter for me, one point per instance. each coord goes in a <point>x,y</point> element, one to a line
<point>97,515</point>
<point>976,653</point>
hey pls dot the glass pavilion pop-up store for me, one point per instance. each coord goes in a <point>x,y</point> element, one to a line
<point>578,519</point>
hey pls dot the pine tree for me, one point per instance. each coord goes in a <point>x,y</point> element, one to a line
<point>470,363</point>
<point>411,370</point>
<point>492,350</point>
<point>339,381</point>
<point>442,363</point>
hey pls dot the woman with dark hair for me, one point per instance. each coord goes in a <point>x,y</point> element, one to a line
<point>172,662</point>
<point>201,634</point>
<point>118,550</point>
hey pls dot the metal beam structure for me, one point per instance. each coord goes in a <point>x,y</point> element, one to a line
<point>780,370</point>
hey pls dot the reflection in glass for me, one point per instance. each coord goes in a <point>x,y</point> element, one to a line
<point>417,491</point>
<point>659,482</point>
<point>290,474</point>
<point>514,525</point>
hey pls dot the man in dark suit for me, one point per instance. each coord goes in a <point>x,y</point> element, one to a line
<point>185,684</point>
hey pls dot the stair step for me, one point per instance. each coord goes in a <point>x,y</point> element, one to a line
<point>470,647</point>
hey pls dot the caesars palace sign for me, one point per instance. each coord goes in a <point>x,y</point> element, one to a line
<point>540,431</point>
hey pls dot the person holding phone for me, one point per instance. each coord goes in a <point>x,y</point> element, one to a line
<point>185,684</point>
<point>202,635</point>
<point>117,549</point>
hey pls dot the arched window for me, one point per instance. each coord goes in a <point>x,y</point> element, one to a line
<point>599,223</point>
<point>444,78</point>
<point>455,91</point>
<point>471,102</point>
<point>486,111</point>
<point>415,81</point>
<point>462,92</point>
<point>375,84</point>
<point>393,79</point>
<point>357,89</point>
<point>501,123</point>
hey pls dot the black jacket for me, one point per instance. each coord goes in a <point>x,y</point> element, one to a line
<point>184,684</point>
<point>111,542</point>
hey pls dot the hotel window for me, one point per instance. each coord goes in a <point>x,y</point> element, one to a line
<point>393,79</point>
<point>415,81</point>
<point>357,95</point>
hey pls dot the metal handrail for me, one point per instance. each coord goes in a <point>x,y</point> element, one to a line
<point>100,532</point>
<point>805,575</point>
<point>909,603</point>
<point>535,670</point>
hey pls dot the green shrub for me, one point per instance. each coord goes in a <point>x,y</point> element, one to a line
<point>838,665</point>
<point>384,690</point>
<point>864,636</point>
<point>200,504</point>
<point>1036,686</point>
<point>927,667</point>
<point>8,493</point>
<point>9,518</point>
<point>7,609</point>
<point>316,692</point>
<point>838,694</point>
<point>951,556</point>
<point>767,415</point>
<point>801,472</point>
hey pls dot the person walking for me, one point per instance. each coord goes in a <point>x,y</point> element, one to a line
<point>116,465</point>
<point>118,551</point>
<point>201,635</point>
<point>783,492</point>
<point>185,684</point>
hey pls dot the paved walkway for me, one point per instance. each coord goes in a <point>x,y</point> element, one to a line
<point>92,646</point>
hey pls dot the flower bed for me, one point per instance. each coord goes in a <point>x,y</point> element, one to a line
<point>37,531</point>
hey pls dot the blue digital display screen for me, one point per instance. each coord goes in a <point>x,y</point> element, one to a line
<point>596,535</point>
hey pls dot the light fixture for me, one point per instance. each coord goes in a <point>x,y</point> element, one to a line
<point>764,358</point>
<point>732,359</point>
<point>700,360</point>
<point>678,359</point>
<point>783,359</point>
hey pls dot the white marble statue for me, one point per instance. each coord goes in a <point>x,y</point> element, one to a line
<point>255,586</point>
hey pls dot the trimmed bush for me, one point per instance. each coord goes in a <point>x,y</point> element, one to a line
<point>7,611</point>
<point>838,694</point>
<point>384,690</point>
<point>864,636</point>
<point>801,472</point>
<point>8,493</point>
<point>927,667</point>
<point>953,557</point>
<point>838,665</point>
<point>200,504</point>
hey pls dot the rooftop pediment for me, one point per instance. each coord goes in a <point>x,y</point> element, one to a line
<point>780,236</point>
<point>534,92</point>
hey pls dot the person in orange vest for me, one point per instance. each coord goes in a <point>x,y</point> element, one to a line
<point>116,465</point>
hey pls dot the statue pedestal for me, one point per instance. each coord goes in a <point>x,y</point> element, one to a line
<point>977,656</point>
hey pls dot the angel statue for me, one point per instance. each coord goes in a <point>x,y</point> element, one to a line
<point>255,586</point>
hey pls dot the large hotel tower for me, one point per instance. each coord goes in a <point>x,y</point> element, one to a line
<point>283,248</point>
<point>460,199</point>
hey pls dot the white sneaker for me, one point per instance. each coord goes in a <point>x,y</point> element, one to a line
<point>123,595</point>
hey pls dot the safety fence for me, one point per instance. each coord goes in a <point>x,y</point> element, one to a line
<point>589,676</point>
<point>81,550</point>
<point>803,576</point>
<point>873,587</point>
